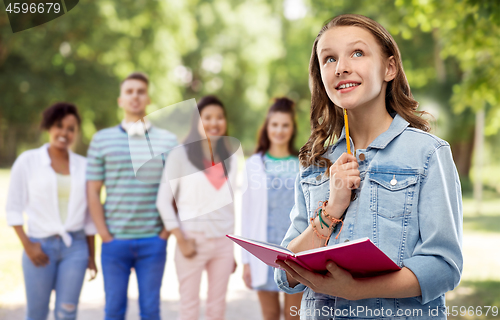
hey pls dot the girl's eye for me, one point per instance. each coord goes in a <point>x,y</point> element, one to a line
<point>358,54</point>
<point>329,59</point>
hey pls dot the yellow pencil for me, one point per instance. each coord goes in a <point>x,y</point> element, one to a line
<point>348,140</point>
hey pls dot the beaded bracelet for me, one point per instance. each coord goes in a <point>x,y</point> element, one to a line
<point>322,208</point>
<point>318,211</point>
<point>326,238</point>
<point>332,219</point>
<point>322,222</point>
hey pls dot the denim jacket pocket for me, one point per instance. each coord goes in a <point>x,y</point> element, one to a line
<point>392,192</point>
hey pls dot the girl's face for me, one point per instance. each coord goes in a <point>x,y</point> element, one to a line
<point>62,133</point>
<point>280,128</point>
<point>213,122</point>
<point>353,68</point>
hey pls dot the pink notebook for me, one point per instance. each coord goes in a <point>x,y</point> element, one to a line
<point>360,257</point>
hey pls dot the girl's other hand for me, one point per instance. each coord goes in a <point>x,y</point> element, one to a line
<point>36,254</point>
<point>188,248</point>
<point>344,177</point>
<point>247,275</point>
<point>336,282</point>
<point>92,268</point>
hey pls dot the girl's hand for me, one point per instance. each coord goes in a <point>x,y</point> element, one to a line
<point>92,268</point>
<point>247,275</point>
<point>337,282</point>
<point>344,177</point>
<point>188,248</point>
<point>36,254</point>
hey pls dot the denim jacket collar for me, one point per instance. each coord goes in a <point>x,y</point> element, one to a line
<point>398,125</point>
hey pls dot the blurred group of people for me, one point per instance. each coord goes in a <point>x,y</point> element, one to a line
<point>60,192</point>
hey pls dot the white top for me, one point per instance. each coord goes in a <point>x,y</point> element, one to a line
<point>63,192</point>
<point>254,216</point>
<point>33,190</point>
<point>201,206</point>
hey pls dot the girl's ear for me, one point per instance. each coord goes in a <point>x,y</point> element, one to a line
<point>390,70</point>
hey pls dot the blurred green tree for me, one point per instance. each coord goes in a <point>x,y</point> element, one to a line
<point>81,58</point>
<point>466,36</point>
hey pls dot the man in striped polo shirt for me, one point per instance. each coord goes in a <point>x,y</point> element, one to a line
<point>129,224</point>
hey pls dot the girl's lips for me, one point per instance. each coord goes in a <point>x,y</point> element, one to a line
<point>347,89</point>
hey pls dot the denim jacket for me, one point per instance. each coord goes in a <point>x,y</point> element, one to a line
<point>408,203</point>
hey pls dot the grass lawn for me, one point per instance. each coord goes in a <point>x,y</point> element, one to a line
<point>478,295</point>
<point>480,286</point>
<point>488,220</point>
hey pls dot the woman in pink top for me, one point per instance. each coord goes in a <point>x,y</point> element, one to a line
<point>204,170</point>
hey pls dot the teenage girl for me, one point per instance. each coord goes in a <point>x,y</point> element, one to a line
<point>399,187</point>
<point>201,238</point>
<point>267,202</point>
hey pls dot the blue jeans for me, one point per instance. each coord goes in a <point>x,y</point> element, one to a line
<point>64,273</point>
<point>147,256</point>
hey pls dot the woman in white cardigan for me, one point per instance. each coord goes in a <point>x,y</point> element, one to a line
<point>268,201</point>
<point>48,184</point>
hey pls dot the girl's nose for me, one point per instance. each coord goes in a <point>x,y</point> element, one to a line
<point>211,125</point>
<point>342,67</point>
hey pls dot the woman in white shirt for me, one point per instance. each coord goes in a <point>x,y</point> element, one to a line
<point>48,184</point>
<point>201,174</point>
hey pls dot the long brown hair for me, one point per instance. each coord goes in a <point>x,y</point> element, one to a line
<point>283,105</point>
<point>327,118</point>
